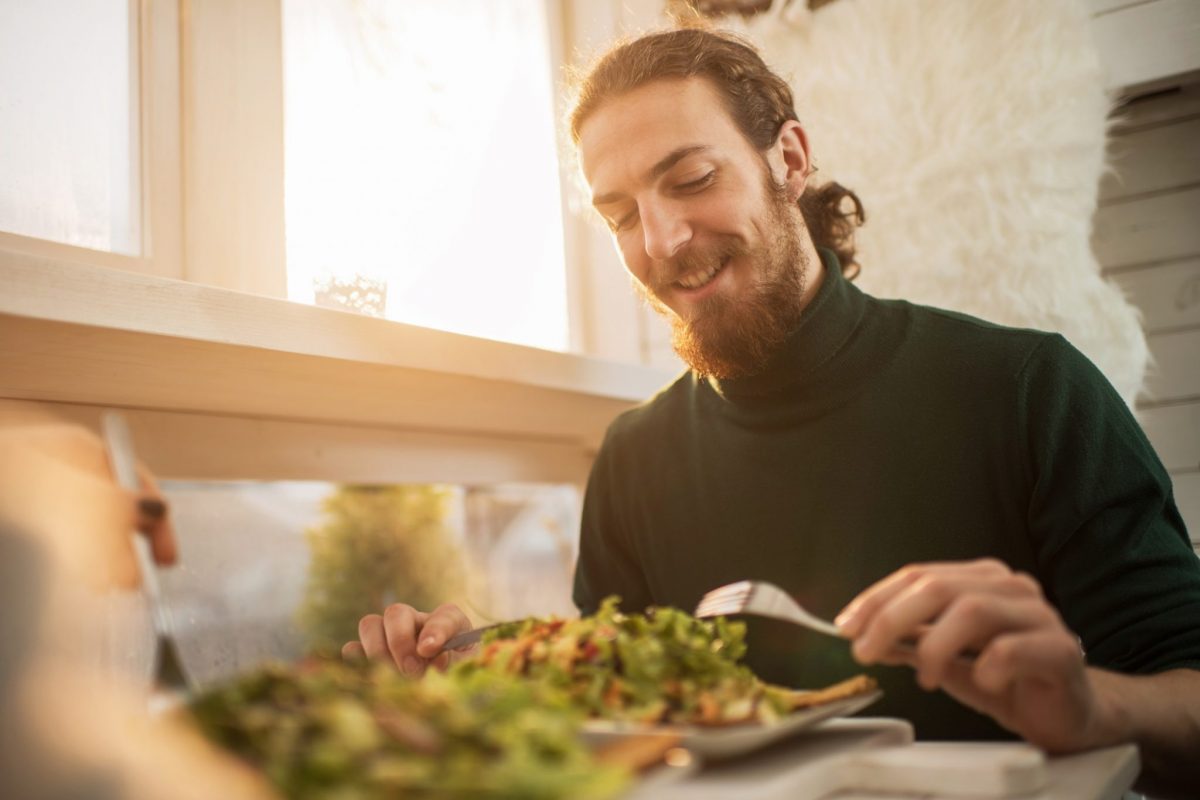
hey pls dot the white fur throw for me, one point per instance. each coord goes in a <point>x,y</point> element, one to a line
<point>974,132</point>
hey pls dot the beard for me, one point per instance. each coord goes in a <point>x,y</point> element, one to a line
<point>731,337</point>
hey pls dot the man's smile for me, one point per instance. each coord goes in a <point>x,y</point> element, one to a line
<point>701,277</point>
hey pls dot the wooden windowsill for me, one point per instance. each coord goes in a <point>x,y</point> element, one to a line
<point>80,334</point>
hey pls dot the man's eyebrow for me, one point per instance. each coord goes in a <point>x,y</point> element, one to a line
<point>664,164</point>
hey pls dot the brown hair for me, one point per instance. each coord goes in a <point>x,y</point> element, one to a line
<point>758,100</point>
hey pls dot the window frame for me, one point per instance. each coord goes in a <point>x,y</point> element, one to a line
<point>83,330</point>
<point>154,60</point>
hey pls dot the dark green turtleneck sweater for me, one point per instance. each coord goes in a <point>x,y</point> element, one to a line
<point>882,434</point>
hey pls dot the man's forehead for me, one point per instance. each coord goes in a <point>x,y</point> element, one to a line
<point>661,121</point>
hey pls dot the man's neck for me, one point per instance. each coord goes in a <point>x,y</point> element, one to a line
<point>815,273</point>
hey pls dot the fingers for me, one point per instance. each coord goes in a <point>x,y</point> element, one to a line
<point>1029,674</point>
<point>1034,683</point>
<point>972,623</point>
<point>912,602</point>
<point>445,621</point>
<point>393,637</point>
<point>1043,653</point>
<point>353,651</point>
<point>153,519</point>
<point>402,624</point>
<point>863,608</point>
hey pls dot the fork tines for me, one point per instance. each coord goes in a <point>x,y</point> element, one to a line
<point>728,599</point>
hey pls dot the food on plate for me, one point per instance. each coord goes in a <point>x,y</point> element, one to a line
<point>505,722</point>
<point>661,666</point>
<point>851,687</point>
<point>328,729</point>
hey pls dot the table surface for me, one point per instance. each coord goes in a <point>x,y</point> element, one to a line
<point>823,764</point>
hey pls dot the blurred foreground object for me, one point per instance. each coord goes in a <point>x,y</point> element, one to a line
<point>70,730</point>
<point>327,728</point>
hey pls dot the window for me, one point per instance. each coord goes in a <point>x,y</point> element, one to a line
<point>421,171</point>
<point>69,152</point>
<point>272,570</point>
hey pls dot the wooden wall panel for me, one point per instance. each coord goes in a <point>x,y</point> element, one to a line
<point>1168,295</point>
<point>1148,42</point>
<point>1175,372</point>
<point>1153,159</point>
<point>1176,103</point>
<point>1148,230</point>
<point>1175,433</point>
<point>1187,497</point>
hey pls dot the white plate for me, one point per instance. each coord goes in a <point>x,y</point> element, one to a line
<point>727,741</point>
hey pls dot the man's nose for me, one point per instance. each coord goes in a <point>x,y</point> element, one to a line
<point>665,231</point>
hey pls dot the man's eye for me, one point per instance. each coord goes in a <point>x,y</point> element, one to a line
<point>698,184</point>
<point>621,223</point>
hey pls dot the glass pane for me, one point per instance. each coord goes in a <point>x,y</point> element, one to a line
<point>69,166</point>
<point>270,571</point>
<point>422,178</point>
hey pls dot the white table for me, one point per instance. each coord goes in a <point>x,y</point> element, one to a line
<point>827,763</point>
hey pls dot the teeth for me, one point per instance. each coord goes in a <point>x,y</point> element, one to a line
<point>698,279</point>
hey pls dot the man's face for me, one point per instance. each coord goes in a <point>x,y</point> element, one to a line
<point>712,239</point>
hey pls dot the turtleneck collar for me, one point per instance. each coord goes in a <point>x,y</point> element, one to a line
<point>825,327</point>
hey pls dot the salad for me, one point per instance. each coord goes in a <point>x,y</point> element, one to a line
<point>502,723</point>
<point>332,730</point>
<point>661,666</point>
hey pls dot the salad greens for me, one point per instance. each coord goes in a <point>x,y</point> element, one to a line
<point>661,666</point>
<point>502,723</point>
<point>333,730</point>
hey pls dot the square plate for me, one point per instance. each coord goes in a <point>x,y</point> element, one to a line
<point>715,742</point>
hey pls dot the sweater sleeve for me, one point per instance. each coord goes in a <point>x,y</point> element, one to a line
<point>1112,548</point>
<point>607,559</point>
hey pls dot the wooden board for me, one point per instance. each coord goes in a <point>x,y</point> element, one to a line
<point>1187,497</point>
<point>1148,230</point>
<point>185,446</point>
<point>1102,6</point>
<point>1168,295</point>
<point>1148,43</point>
<point>97,337</point>
<point>1175,371</point>
<point>1175,433</point>
<point>1157,108</point>
<point>1152,160</point>
<point>232,133</point>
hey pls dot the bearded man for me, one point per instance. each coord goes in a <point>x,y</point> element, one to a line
<point>986,484</point>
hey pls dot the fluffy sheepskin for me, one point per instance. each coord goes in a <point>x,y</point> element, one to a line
<point>974,132</point>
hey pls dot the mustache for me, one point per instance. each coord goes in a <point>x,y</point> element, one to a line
<point>694,259</point>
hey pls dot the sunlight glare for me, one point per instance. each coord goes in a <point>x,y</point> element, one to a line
<point>420,152</point>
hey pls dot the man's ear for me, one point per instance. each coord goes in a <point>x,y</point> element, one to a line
<point>790,163</point>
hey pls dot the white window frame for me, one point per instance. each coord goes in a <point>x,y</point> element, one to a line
<point>154,57</point>
<point>220,379</point>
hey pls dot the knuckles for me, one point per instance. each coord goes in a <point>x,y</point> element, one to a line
<point>992,566</point>
<point>1024,583</point>
<point>398,610</point>
<point>368,623</point>
<point>971,606</point>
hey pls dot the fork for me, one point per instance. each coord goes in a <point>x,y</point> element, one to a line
<point>170,677</point>
<point>768,600</point>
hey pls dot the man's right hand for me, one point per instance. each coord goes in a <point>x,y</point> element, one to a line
<point>410,639</point>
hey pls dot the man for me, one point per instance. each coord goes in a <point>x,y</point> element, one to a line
<point>986,484</point>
